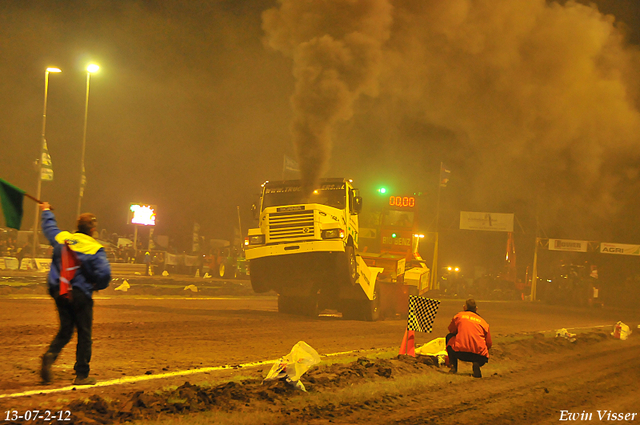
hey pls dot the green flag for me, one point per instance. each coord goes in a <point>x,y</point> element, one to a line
<point>11,198</point>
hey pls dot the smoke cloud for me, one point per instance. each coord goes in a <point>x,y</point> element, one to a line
<point>336,50</point>
<point>538,99</point>
<point>540,95</point>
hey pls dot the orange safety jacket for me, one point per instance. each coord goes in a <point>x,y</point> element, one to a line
<point>472,333</point>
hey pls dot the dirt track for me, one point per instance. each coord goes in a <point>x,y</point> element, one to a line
<point>527,381</point>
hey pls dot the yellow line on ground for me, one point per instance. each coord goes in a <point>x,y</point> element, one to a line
<point>126,297</point>
<point>579,327</point>
<point>133,379</point>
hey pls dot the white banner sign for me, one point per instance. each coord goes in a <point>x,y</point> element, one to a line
<point>171,259</point>
<point>44,264</point>
<point>567,245</point>
<point>619,248</point>
<point>495,222</point>
<point>9,263</point>
<point>28,264</point>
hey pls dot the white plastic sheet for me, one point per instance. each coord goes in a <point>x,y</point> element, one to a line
<point>435,348</point>
<point>292,366</point>
<point>564,333</point>
<point>621,331</point>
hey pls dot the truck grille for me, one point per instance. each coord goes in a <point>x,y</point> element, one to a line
<point>296,225</point>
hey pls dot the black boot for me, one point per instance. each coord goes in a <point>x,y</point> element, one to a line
<point>476,371</point>
<point>45,370</point>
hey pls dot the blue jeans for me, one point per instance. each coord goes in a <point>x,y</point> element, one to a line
<point>75,313</point>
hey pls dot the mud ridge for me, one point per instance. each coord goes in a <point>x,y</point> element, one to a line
<point>253,394</point>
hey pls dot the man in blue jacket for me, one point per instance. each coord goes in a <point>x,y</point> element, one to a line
<point>75,308</point>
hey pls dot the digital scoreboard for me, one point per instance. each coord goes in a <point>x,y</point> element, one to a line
<point>402,201</point>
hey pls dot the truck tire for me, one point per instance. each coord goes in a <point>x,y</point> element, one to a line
<point>372,308</point>
<point>259,280</point>
<point>309,306</point>
<point>351,310</point>
<point>365,310</point>
<point>302,306</point>
<point>352,264</point>
<point>287,305</point>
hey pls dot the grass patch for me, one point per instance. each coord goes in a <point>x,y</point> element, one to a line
<point>368,393</point>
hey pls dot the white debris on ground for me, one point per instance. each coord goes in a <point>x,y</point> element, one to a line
<point>621,331</point>
<point>434,348</point>
<point>564,333</point>
<point>292,366</point>
<point>124,287</point>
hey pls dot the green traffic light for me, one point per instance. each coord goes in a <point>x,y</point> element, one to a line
<point>393,235</point>
<point>382,190</point>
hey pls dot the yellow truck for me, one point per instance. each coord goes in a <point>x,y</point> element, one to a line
<point>306,249</point>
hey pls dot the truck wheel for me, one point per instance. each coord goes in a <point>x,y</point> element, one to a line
<point>286,305</point>
<point>350,311</point>
<point>372,308</point>
<point>309,306</point>
<point>350,252</point>
<point>355,310</point>
<point>260,280</point>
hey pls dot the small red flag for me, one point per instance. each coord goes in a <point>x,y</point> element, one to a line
<point>70,265</point>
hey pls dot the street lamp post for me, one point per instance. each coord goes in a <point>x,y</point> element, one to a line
<point>90,69</point>
<point>36,242</point>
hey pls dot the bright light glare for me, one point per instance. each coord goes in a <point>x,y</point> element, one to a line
<point>457,269</point>
<point>93,68</point>
<point>315,192</point>
<point>418,236</point>
<point>53,70</point>
<point>143,214</point>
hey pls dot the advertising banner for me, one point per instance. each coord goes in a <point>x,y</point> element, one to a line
<point>619,248</point>
<point>495,222</point>
<point>567,245</point>
<point>171,259</point>
<point>44,264</point>
<point>9,263</point>
<point>27,264</point>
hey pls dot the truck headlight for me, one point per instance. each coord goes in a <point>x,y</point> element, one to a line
<point>333,234</point>
<point>256,239</point>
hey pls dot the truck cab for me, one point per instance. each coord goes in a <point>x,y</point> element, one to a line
<point>305,246</point>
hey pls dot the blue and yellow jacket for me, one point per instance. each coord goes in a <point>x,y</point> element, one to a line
<point>94,273</point>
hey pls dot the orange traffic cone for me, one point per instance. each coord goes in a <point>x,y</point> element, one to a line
<point>408,345</point>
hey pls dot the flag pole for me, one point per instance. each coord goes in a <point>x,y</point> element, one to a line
<point>434,265</point>
<point>34,198</point>
<point>34,249</point>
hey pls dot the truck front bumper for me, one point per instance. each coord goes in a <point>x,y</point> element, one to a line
<point>336,245</point>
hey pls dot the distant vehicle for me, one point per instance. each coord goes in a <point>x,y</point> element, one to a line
<point>227,262</point>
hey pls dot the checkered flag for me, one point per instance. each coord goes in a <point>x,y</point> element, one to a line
<point>422,312</point>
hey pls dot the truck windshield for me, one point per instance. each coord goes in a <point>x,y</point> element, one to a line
<point>331,194</point>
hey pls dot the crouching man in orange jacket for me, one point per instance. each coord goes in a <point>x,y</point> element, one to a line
<point>469,339</point>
